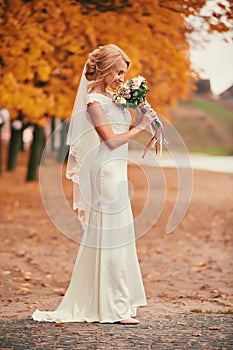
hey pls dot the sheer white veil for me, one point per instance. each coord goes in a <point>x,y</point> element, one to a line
<point>82,139</point>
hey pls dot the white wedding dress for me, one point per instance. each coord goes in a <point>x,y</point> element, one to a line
<point>106,284</point>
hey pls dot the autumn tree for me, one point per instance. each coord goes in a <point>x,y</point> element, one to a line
<point>44,46</point>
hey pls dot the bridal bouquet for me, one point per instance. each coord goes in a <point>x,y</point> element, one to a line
<point>131,94</point>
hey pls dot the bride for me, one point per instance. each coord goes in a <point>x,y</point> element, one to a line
<point>106,283</point>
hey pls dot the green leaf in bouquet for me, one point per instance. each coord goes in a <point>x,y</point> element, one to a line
<point>141,99</point>
<point>132,105</point>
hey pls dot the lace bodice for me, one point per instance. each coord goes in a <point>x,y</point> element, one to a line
<point>119,118</point>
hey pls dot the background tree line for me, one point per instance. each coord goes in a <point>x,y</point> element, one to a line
<point>44,46</point>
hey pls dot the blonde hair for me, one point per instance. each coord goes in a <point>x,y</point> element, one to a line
<point>101,61</point>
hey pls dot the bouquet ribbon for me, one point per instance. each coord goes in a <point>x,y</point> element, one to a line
<point>156,140</point>
<point>157,131</point>
<point>149,144</point>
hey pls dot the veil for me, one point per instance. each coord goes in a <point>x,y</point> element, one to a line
<point>82,139</point>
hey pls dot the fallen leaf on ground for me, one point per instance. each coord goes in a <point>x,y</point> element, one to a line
<point>17,279</point>
<point>203,264</point>
<point>214,328</point>
<point>22,289</point>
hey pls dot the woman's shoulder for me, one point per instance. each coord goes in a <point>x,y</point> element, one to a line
<point>97,97</point>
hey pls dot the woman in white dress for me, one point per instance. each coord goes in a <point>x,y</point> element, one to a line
<point>106,284</point>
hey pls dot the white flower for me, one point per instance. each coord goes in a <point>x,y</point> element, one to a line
<point>140,79</point>
<point>122,100</point>
<point>119,99</point>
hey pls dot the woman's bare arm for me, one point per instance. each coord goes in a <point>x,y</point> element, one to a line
<point>104,128</point>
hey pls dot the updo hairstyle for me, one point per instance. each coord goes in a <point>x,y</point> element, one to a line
<point>101,61</point>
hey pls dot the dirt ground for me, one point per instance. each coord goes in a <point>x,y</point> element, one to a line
<point>190,268</point>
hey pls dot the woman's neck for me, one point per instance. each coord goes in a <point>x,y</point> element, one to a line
<point>101,89</point>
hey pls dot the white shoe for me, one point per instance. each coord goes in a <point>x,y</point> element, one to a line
<point>130,321</point>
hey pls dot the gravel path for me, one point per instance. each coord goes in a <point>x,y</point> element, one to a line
<point>186,331</point>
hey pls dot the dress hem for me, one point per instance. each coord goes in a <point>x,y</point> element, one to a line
<point>36,316</point>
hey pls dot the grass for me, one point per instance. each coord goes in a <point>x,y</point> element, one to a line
<point>211,134</point>
<point>205,126</point>
<point>219,312</point>
<point>213,151</point>
<point>215,110</point>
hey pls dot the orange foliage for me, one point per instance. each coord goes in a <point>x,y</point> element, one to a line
<point>45,45</point>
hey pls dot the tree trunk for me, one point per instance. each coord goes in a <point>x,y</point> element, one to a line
<point>63,149</point>
<point>53,122</point>
<point>14,148</point>
<point>37,147</point>
<point>0,150</point>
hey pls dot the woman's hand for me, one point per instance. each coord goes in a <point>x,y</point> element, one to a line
<point>147,119</point>
<point>141,109</point>
<point>139,116</point>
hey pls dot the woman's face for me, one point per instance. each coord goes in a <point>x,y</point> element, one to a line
<point>117,75</point>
